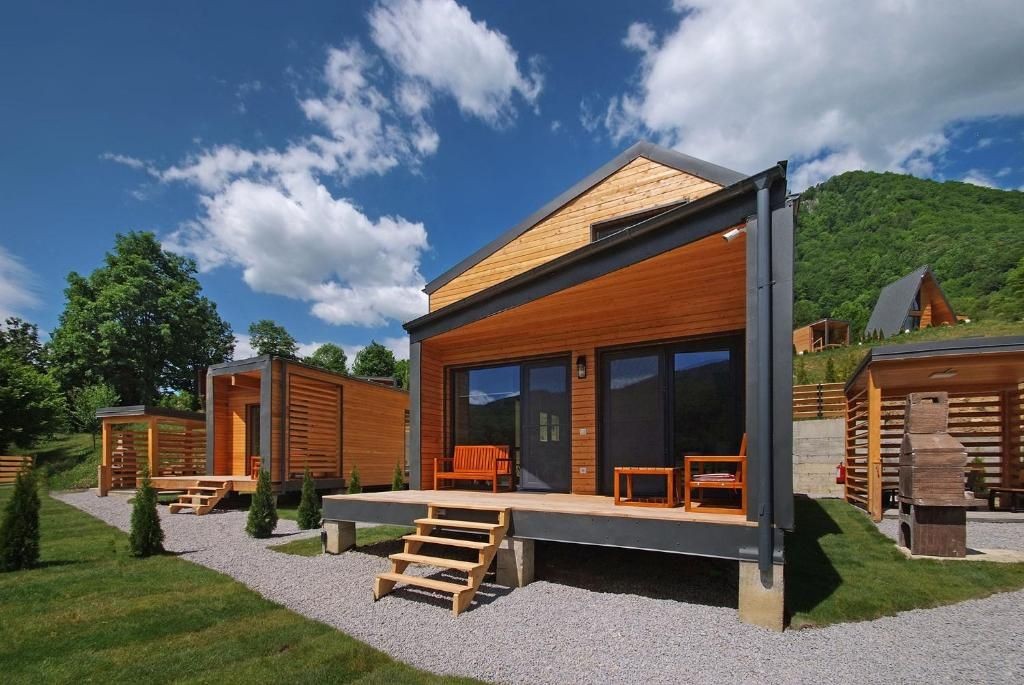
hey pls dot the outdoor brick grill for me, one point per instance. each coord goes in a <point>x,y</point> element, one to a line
<point>933,514</point>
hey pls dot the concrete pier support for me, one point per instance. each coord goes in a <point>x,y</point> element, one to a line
<point>515,562</point>
<point>338,536</point>
<point>760,605</point>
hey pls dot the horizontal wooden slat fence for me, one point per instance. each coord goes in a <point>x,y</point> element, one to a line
<point>314,427</point>
<point>168,446</point>
<point>11,466</point>
<point>819,401</point>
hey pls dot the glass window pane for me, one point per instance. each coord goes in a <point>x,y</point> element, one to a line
<point>486,407</point>
<point>706,406</point>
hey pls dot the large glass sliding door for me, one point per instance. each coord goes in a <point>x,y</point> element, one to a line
<point>525,406</point>
<point>661,403</point>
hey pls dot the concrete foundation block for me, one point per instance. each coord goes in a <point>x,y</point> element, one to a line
<point>338,536</point>
<point>760,605</point>
<point>515,562</point>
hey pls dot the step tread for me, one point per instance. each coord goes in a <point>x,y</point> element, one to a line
<point>440,562</point>
<point>429,583</point>
<point>452,523</point>
<point>471,507</point>
<point>452,542</point>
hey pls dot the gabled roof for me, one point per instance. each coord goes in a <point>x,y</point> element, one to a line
<point>894,301</point>
<point>670,158</point>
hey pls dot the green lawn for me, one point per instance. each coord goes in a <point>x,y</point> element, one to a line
<point>68,460</point>
<point>92,614</point>
<point>311,547</point>
<point>840,568</point>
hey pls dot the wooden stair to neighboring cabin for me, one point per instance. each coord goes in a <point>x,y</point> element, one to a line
<point>489,537</point>
<point>202,497</point>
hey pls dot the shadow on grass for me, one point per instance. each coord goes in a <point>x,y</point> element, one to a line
<point>811,577</point>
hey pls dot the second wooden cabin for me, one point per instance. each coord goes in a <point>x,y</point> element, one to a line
<point>284,416</point>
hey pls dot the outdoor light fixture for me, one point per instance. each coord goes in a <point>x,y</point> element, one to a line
<point>948,373</point>
<point>581,367</point>
<point>733,233</point>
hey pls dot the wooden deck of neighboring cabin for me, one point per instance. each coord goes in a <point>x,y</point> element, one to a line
<point>175,483</point>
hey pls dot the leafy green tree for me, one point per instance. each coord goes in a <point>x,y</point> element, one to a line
<point>308,515</point>
<point>85,401</point>
<point>374,360</point>
<point>1012,301</point>
<point>138,323</point>
<point>31,404</point>
<point>402,373</point>
<point>262,517</point>
<point>398,478</point>
<point>182,399</point>
<point>146,537</point>
<point>801,371</point>
<point>19,529</point>
<point>269,337</point>
<point>354,486</point>
<point>805,312</point>
<point>831,375</point>
<point>329,357</point>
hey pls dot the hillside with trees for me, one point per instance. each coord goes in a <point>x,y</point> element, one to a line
<point>861,230</point>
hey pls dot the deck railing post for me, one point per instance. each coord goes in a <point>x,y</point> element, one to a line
<point>152,447</point>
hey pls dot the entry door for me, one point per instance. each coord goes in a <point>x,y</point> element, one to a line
<point>546,460</point>
<point>632,413</point>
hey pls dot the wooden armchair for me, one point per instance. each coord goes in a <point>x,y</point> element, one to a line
<point>697,477</point>
<point>475,462</point>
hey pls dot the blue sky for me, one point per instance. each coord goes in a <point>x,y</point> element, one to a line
<point>322,160</point>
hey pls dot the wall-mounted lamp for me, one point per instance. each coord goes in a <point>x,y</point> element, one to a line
<point>733,233</point>
<point>581,367</point>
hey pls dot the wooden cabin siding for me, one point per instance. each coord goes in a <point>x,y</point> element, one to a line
<point>802,339</point>
<point>641,184</point>
<point>238,399</point>
<point>373,431</point>
<point>222,429</point>
<point>314,426</point>
<point>696,290</point>
<point>934,310</point>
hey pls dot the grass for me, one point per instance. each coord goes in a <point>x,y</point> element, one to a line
<point>840,568</point>
<point>311,547</point>
<point>68,460</point>
<point>845,359</point>
<point>90,613</point>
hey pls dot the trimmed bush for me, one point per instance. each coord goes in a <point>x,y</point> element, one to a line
<point>354,486</point>
<point>262,512</point>
<point>146,537</point>
<point>309,505</point>
<point>19,530</point>
<point>398,479</point>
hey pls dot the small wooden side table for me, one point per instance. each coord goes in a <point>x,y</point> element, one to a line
<point>673,486</point>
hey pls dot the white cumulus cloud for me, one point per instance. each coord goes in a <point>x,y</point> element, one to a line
<point>439,44</point>
<point>17,286</point>
<point>830,85</point>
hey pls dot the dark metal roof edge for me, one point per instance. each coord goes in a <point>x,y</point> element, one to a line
<point>937,348</point>
<point>150,410</point>
<point>258,362</point>
<point>642,228</point>
<point>676,160</point>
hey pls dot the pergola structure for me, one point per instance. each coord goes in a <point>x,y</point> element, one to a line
<point>985,381</point>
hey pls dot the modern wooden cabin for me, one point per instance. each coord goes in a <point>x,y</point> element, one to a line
<point>642,316</point>
<point>985,381</point>
<point>912,302</point>
<point>821,335</point>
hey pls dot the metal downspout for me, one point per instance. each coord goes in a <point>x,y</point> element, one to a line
<point>765,513</point>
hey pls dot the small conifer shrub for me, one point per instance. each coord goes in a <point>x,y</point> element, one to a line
<point>19,530</point>
<point>354,486</point>
<point>146,537</point>
<point>308,515</point>
<point>262,512</point>
<point>398,479</point>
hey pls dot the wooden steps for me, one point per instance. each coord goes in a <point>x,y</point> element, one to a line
<point>202,497</point>
<point>486,547</point>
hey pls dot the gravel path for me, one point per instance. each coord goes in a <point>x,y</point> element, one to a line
<point>979,535</point>
<point>556,633</point>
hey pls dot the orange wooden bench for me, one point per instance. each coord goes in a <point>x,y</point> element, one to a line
<point>474,462</point>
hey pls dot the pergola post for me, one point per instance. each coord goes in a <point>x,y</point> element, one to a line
<point>103,477</point>
<point>874,399</point>
<point>152,448</point>
<point>1008,407</point>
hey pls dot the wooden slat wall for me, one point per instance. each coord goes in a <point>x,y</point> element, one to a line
<point>11,466</point>
<point>128,453</point>
<point>1013,473</point>
<point>802,340</point>
<point>181,448</point>
<point>639,185</point>
<point>314,427</point>
<point>857,449</point>
<point>819,401</point>
<point>696,290</point>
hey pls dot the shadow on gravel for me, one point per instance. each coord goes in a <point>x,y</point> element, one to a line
<point>695,580</point>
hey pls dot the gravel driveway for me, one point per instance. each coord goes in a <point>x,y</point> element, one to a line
<point>559,633</point>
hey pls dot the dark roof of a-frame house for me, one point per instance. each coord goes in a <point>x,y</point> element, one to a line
<point>895,300</point>
<point>670,158</point>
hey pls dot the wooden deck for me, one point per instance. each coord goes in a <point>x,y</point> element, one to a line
<point>551,503</point>
<point>235,483</point>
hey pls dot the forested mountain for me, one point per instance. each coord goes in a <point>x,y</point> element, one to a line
<point>861,230</point>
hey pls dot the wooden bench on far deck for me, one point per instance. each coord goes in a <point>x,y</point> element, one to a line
<point>474,462</point>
